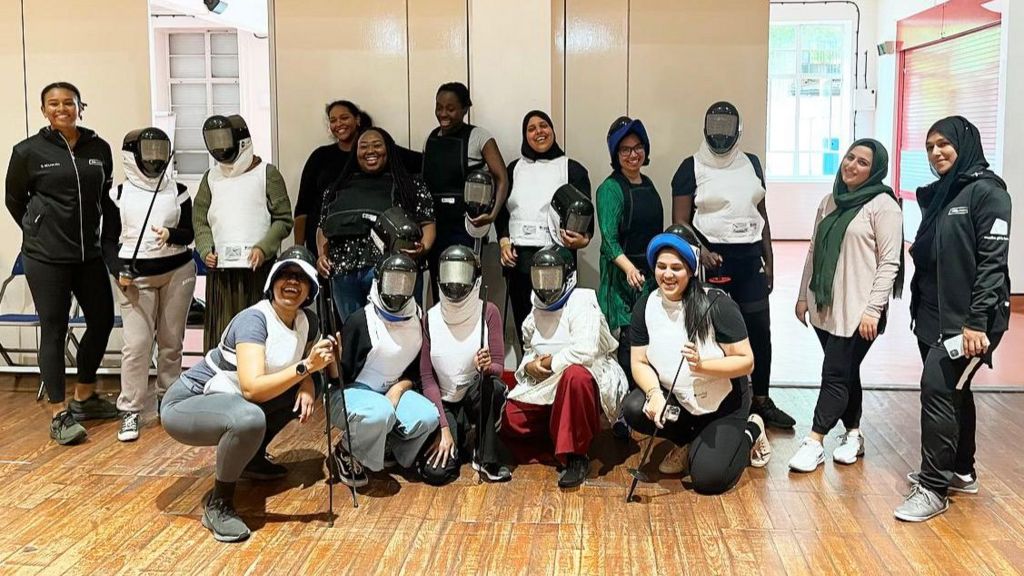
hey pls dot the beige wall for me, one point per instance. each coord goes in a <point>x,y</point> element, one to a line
<point>101,46</point>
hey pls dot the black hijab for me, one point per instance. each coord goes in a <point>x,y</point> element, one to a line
<point>529,153</point>
<point>970,165</point>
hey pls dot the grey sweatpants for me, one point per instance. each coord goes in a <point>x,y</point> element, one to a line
<point>238,428</point>
<point>153,307</point>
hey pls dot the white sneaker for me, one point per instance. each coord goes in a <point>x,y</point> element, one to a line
<point>761,451</point>
<point>810,455</point>
<point>676,461</point>
<point>129,431</point>
<point>850,448</point>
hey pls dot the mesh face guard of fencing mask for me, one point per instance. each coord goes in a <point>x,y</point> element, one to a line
<point>479,193</point>
<point>550,272</point>
<point>396,281</point>
<point>223,136</point>
<point>151,149</point>
<point>722,127</point>
<point>458,272</point>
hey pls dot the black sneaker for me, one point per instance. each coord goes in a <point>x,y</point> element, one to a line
<point>259,468</point>
<point>772,415</point>
<point>576,469</point>
<point>129,431</point>
<point>93,408</point>
<point>343,468</point>
<point>220,518</point>
<point>493,472</point>
<point>66,430</point>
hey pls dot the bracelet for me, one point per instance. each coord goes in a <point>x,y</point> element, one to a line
<point>651,392</point>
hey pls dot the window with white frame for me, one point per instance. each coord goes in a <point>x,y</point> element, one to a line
<point>202,80</point>
<point>809,99</point>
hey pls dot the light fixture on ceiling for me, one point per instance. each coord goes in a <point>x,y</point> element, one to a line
<point>216,6</point>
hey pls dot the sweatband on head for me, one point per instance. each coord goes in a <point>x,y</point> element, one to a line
<point>669,240</point>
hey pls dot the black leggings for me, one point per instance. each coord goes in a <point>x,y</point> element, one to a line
<point>748,287</point>
<point>720,442</point>
<point>841,396</point>
<point>52,286</point>
<point>948,417</point>
<point>520,287</point>
<point>462,416</point>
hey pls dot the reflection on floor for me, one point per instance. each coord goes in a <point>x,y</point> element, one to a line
<point>111,508</point>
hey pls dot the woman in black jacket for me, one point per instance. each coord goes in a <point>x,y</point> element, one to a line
<point>57,185</point>
<point>960,305</point>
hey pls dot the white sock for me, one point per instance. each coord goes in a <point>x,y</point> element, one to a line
<point>965,478</point>
<point>853,433</point>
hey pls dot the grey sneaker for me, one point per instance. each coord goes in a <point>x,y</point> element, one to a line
<point>129,431</point>
<point>93,408</point>
<point>66,430</point>
<point>220,518</point>
<point>921,504</point>
<point>957,485</point>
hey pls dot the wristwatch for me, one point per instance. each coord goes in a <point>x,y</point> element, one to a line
<point>300,368</point>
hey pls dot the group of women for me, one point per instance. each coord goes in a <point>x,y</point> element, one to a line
<point>675,340</point>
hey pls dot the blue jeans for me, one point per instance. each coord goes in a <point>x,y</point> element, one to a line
<point>351,291</point>
<point>375,421</point>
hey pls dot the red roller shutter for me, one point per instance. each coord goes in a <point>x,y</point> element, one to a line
<point>958,76</point>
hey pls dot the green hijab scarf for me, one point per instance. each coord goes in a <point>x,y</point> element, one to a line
<point>828,240</point>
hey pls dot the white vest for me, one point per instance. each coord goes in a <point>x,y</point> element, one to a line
<point>238,215</point>
<point>533,185</point>
<point>133,205</point>
<point>285,346</point>
<point>727,200</point>
<point>452,352</point>
<point>393,346</point>
<point>666,328</point>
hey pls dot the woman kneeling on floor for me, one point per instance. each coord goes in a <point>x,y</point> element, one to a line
<point>380,365</point>
<point>465,376</point>
<point>710,397</point>
<point>250,386</point>
<point>568,374</point>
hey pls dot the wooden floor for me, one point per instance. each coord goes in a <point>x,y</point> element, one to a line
<point>111,508</point>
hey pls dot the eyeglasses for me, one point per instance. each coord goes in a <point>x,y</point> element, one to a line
<point>626,151</point>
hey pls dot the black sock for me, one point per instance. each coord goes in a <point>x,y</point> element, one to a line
<point>754,431</point>
<point>224,491</point>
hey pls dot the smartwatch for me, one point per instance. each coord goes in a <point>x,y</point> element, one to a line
<point>300,368</point>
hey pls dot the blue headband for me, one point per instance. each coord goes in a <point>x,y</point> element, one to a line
<point>669,240</point>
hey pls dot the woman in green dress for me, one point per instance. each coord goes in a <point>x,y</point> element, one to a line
<point>629,213</point>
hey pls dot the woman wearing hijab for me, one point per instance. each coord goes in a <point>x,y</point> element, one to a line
<point>375,181</point>
<point>452,151</point>
<point>960,252</point>
<point>721,191</point>
<point>854,263</point>
<point>630,214</point>
<point>523,223</point>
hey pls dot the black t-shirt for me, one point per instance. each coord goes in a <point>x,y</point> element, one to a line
<point>321,170</point>
<point>726,320</point>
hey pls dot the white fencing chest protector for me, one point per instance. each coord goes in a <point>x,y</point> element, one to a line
<point>133,204</point>
<point>238,215</point>
<point>534,183</point>
<point>726,200</point>
<point>552,334</point>
<point>453,348</point>
<point>666,327</point>
<point>393,346</point>
<point>285,346</point>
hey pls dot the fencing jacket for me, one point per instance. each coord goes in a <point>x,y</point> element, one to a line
<point>725,197</point>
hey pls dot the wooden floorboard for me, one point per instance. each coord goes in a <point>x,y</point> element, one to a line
<point>110,508</point>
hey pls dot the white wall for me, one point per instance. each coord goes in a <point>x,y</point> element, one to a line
<point>1013,131</point>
